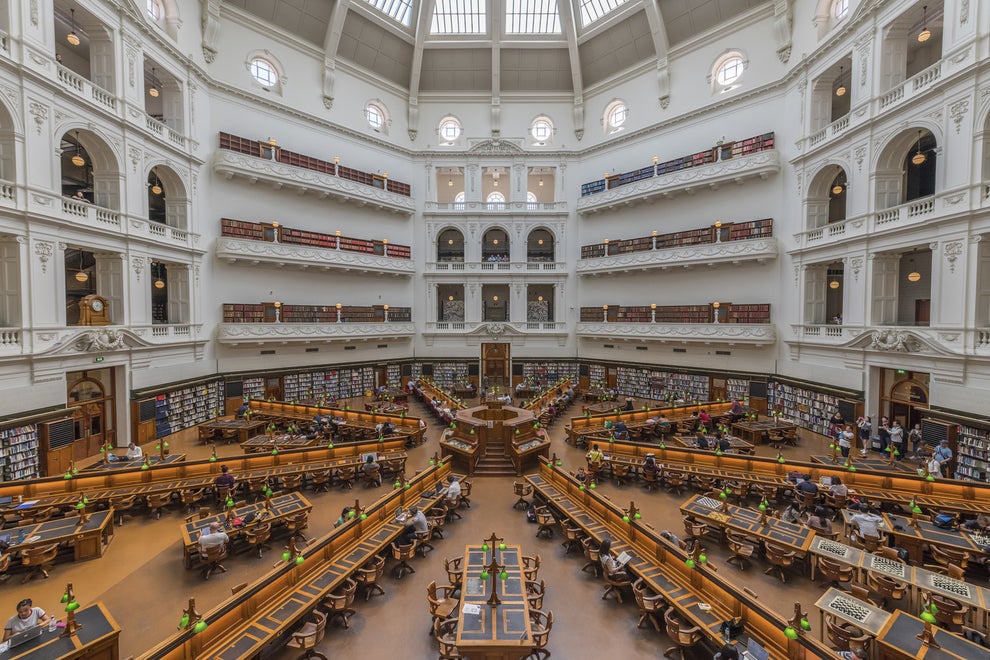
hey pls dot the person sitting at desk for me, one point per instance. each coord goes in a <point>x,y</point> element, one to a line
<point>855,653</point>
<point>345,514</point>
<point>819,521</point>
<point>621,431</point>
<point>700,439</point>
<point>806,485</point>
<point>595,458</point>
<point>369,467</point>
<point>609,563</point>
<point>724,445</point>
<point>212,537</point>
<point>650,464</point>
<point>977,524</point>
<point>867,523</point>
<point>225,479</point>
<point>27,617</point>
<point>241,411</point>
<point>134,452</point>
<point>727,652</point>
<point>415,524</point>
<point>629,403</point>
<point>453,491</point>
<point>838,489</point>
<point>581,476</point>
<point>705,419</point>
<point>736,412</point>
<point>388,428</point>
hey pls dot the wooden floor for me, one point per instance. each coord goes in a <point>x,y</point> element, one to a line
<point>143,583</point>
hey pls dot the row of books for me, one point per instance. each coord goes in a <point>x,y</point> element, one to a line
<point>265,313</point>
<point>729,231</point>
<point>706,313</point>
<point>188,406</point>
<point>259,231</point>
<point>810,409</point>
<point>19,452</point>
<point>973,453</point>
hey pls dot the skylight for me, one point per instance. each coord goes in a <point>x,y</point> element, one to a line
<point>592,10</point>
<point>400,10</point>
<point>459,17</point>
<point>531,17</point>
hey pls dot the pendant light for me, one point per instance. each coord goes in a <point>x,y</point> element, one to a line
<point>841,89</point>
<point>450,181</point>
<point>913,275</point>
<point>72,37</point>
<point>159,282</point>
<point>156,187</point>
<point>837,189</point>
<point>541,181</point>
<point>834,284</point>
<point>919,156</point>
<point>77,158</point>
<point>153,90</point>
<point>81,275</point>
<point>925,33</point>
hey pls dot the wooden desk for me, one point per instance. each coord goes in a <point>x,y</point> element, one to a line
<point>96,640</point>
<point>747,521</point>
<point>603,408</point>
<point>846,608</point>
<point>870,463</point>
<point>135,464</point>
<point>913,540</point>
<point>495,633</point>
<point>737,445</point>
<point>527,452</point>
<point>282,507</point>
<point>280,441</point>
<point>88,540</point>
<point>752,431</point>
<point>897,641</point>
<point>242,429</point>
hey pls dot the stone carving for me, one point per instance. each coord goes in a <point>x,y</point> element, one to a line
<point>952,250</point>
<point>34,12</point>
<point>496,147</point>
<point>957,111</point>
<point>40,112</point>
<point>860,154</point>
<point>495,328</point>
<point>44,251</point>
<point>94,341</point>
<point>137,263</point>
<point>894,340</point>
<point>856,265</point>
<point>963,12</point>
<point>135,154</point>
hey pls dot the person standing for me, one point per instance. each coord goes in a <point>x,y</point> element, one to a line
<point>845,440</point>
<point>897,440</point>
<point>917,441</point>
<point>836,423</point>
<point>943,455</point>
<point>884,433</point>
<point>864,426</point>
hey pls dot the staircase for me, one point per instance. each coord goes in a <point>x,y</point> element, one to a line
<point>495,463</point>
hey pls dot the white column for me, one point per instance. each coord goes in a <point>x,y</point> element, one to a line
<point>47,273</point>
<point>950,263</point>
<point>141,275</point>
<point>517,303</point>
<point>854,296</point>
<point>472,303</point>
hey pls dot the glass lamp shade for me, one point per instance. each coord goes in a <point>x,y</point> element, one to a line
<point>837,189</point>
<point>78,160</point>
<point>72,38</point>
<point>914,276</point>
<point>159,284</point>
<point>153,92</point>
<point>918,158</point>
<point>834,284</point>
<point>157,189</point>
<point>924,35</point>
<point>82,276</point>
<point>841,91</point>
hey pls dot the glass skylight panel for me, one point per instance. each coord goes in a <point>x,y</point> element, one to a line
<point>592,10</point>
<point>400,10</point>
<point>459,17</point>
<point>532,17</point>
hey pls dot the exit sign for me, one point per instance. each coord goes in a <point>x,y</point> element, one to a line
<point>98,359</point>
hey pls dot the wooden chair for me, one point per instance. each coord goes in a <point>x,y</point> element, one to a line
<point>40,516</point>
<point>455,571</point>
<point>38,560</point>
<point>615,583</point>
<point>4,567</point>
<point>121,505</point>
<point>466,486</point>
<point>696,531</point>
<point>255,487</point>
<point>535,591</point>
<point>680,633</point>
<point>531,567</point>
<point>222,494</point>
<point>540,623</point>
<point>833,572</point>
<point>944,557</point>
<point>742,549</point>
<point>436,518</point>
<point>258,536</point>
<point>805,501</point>
<point>779,558</point>
<point>649,604</point>
<point>320,480</point>
<point>836,503</point>
<point>887,552</point>
<point>650,480</point>
<point>452,506</point>
<point>402,554</point>
<point>591,553</point>
<point>156,502</point>
<point>212,557</point>
<point>545,522</point>
<point>346,477</point>
<point>572,537</point>
<point>844,636</point>
<point>523,490</point>
<point>859,593</point>
<point>297,523</point>
<point>620,472</point>
<point>950,613</point>
<point>442,603</point>
<point>870,543</point>
<point>369,576</point>
<point>886,587</point>
<point>311,634</point>
<point>445,632</point>
<point>673,481</point>
<point>339,603</point>
<point>423,539</point>
<point>373,477</point>
<point>291,482</point>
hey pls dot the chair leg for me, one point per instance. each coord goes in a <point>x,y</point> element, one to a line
<point>521,504</point>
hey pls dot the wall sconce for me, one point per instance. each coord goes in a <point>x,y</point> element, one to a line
<point>278,311</point>
<point>451,298</point>
<point>72,37</point>
<point>539,298</point>
<point>495,298</point>
<point>914,276</point>
<point>494,241</point>
<point>450,241</point>
<point>539,241</point>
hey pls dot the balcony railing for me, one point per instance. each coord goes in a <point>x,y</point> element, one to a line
<point>495,327</point>
<point>162,130</point>
<point>539,208</point>
<point>750,334</point>
<point>305,256</point>
<point>4,42</point>
<point>501,267</point>
<point>74,82</point>
<point>10,341</point>
<point>22,341</point>
<point>8,191</point>
<point>932,340</point>
<point>915,212</point>
<point>260,333</point>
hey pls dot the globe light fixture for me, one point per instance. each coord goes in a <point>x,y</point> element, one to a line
<point>925,33</point>
<point>837,189</point>
<point>919,156</point>
<point>834,284</point>
<point>77,158</point>
<point>72,37</point>
<point>841,89</point>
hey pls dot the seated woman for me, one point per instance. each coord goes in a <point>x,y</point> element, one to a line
<point>820,521</point>
<point>650,464</point>
<point>609,563</point>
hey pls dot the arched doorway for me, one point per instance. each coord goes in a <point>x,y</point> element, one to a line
<point>90,399</point>
<point>904,396</point>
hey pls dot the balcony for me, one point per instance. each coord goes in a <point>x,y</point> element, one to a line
<point>239,334</point>
<point>837,127</point>
<point>163,131</point>
<point>726,334</point>
<point>735,170</point>
<point>538,209</point>
<point>107,220</point>
<point>84,89</point>
<point>759,250</point>
<point>478,330</point>
<point>530,268</point>
<point>253,252</point>
<point>913,214</point>
<point>936,342</point>
<point>104,340</point>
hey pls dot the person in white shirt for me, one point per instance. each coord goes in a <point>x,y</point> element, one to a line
<point>213,537</point>
<point>868,523</point>
<point>27,617</point>
<point>453,490</point>
<point>134,452</point>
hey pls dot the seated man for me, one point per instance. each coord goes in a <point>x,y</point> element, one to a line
<point>415,524</point>
<point>370,466</point>
<point>663,426</point>
<point>595,458</point>
<point>621,431</point>
<point>242,410</point>
<point>388,428</point>
<point>212,537</point>
<point>736,412</point>
<point>225,479</point>
<point>453,491</point>
<point>867,523</point>
<point>134,452</point>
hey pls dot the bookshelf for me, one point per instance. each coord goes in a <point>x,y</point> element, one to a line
<point>737,388</point>
<point>265,313</point>
<point>355,381</point>
<point>809,408</point>
<point>731,231</point>
<point>449,374</point>
<point>973,454</point>
<point>596,375</point>
<point>260,231</point>
<point>548,373</point>
<point>728,313</point>
<point>393,374</point>
<point>188,406</point>
<point>264,150</point>
<point>254,388</point>
<point>19,452</point>
<point>662,385</point>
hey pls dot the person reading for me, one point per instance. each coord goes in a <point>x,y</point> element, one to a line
<point>27,617</point>
<point>134,452</point>
<point>212,537</point>
<point>415,524</point>
<point>595,458</point>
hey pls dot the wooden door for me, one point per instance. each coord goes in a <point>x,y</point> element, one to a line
<point>922,311</point>
<point>273,388</point>
<point>495,364</point>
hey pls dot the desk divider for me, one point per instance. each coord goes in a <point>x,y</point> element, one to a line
<point>307,412</point>
<point>595,423</point>
<point>726,600</point>
<point>232,615</point>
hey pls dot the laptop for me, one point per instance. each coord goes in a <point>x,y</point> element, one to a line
<point>754,651</point>
<point>373,455</point>
<point>24,636</point>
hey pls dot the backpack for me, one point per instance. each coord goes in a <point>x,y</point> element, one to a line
<point>531,514</point>
<point>944,521</point>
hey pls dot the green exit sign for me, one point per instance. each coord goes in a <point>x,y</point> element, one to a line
<point>98,359</point>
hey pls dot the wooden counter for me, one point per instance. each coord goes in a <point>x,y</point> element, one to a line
<point>495,633</point>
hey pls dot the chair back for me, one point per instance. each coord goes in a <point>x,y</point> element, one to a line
<point>259,534</point>
<point>454,571</point>
<point>403,552</point>
<point>214,553</point>
<point>521,489</point>
<point>40,555</point>
<point>535,592</point>
<point>843,635</point>
<point>779,555</point>
<point>373,571</point>
<point>291,481</point>
<point>541,624</point>
<point>310,634</point>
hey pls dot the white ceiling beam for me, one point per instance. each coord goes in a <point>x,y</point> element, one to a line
<point>495,24</point>
<point>331,42</point>
<point>661,44</point>
<point>569,27</point>
<point>423,21</point>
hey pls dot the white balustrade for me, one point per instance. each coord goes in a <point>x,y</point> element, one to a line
<point>926,77</point>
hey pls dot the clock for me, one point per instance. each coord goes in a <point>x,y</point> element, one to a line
<point>93,310</point>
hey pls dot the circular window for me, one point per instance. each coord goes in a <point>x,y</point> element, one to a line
<point>616,115</point>
<point>840,8</point>
<point>541,130</point>
<point>155,10</point>
<point>264,72</point>
<point>729,71</point>
<point>450,130</point>
<point>376,116</point>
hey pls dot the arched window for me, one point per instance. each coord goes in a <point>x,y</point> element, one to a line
<point>377,116</point>
<point>727,71</point>
<point>615,116</point>
<point>459,198</point>
<point>449,130</point>
<point>495,198</point>
<point>531,199</point>
<point>264,72</point>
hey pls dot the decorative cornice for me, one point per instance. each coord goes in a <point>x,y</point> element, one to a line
<point>230,164</point>
<point>709,333</point>
<point>761,249</point>
<point>108,339</point>
<point>761,164</point>
<point>260,333</point>
<point>286,254</point>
